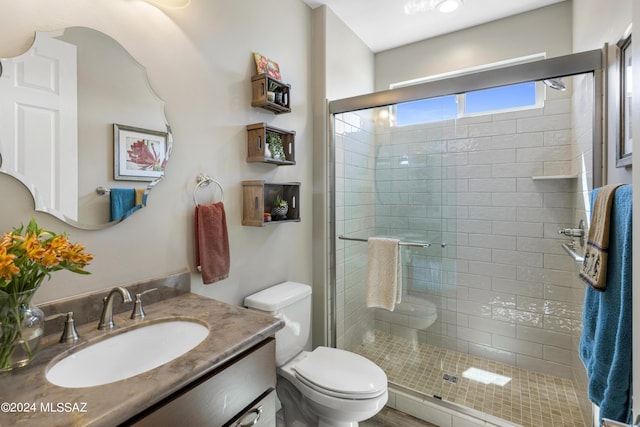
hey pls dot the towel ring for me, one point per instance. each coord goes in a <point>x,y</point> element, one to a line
<point>203,181</point>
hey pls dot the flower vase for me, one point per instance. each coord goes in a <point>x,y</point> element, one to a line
<point>21,329</point>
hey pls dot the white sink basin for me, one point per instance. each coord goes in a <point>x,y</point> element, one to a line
<point>127,354</point>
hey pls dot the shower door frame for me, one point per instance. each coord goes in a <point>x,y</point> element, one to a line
<point>557,67</point>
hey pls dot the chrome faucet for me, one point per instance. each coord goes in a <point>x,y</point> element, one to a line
<point>106,318</point>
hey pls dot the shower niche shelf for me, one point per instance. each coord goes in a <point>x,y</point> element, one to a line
<point>261,84</point>
<point>552,177</point>
<point>257,134</point>
<point>257,199</point>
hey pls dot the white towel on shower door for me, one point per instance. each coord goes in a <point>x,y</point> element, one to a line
<point>384,278</point>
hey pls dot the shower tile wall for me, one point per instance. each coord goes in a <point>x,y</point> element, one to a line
<point>355,217</point>
<point>502,285</point>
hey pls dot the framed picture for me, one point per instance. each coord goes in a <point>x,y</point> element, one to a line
<point>624,151</point>
<point>266,66</point>
<point>138,154</point>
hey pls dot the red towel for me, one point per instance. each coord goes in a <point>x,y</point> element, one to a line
<point>212,242</point>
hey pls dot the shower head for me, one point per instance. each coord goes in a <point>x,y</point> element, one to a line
<point>557,84</point>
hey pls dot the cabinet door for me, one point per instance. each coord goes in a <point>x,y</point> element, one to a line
<point>223,397</point>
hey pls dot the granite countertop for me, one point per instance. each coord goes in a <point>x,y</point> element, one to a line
<point>36,402</point>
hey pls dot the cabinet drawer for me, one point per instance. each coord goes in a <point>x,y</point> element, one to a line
<point>222,396</point>
<point>260,414</point>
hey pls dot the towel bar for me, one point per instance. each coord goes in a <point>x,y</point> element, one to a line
<point>102,190</point>
<point>570,249</point>
<point>416,244</point>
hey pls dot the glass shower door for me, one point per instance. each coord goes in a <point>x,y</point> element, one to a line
<point>393,182</point>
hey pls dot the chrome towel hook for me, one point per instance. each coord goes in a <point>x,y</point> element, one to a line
<point>204,180</point>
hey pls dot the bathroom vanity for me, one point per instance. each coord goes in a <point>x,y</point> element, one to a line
<point>227,379</point>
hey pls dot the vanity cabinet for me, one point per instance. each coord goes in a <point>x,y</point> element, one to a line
<point>257,143</point>
<point>257,199</point>
<point>264,87</point>
<point>240,392</point>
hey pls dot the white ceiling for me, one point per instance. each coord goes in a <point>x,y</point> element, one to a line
<point>383,24</point>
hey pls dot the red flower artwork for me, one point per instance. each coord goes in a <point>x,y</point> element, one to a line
<point>145,156</point>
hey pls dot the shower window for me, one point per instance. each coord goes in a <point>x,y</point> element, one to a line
<point>501,99</point>
<point>427,110</point>
<point>504,98</point>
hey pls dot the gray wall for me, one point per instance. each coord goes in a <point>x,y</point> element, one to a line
<point>543,30</point>
<point>199,60</point>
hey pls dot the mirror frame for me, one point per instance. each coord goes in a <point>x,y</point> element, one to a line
<point>623,147</point>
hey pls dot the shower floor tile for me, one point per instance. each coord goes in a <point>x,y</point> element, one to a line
<point>529,398</point>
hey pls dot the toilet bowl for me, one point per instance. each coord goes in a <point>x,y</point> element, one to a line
<point>325,387</point>
<point>335,391</point>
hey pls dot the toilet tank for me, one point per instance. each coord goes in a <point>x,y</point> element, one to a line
<point>291,302</point>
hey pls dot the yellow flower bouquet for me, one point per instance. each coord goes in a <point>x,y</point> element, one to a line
<point>28,255</point>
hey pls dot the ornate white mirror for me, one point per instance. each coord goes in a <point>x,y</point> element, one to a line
<point>81,127</point>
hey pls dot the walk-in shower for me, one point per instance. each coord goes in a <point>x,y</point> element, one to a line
<point>491,307</point>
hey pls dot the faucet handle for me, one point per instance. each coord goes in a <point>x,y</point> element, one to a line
<point>69,333</point>
<point>138,311</point>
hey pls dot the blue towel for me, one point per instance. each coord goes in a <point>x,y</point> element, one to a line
<point>605,344</point>
<point>123,203</point>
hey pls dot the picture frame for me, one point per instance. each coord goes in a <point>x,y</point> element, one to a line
<point>138,154</point>
<point>265,65</point>
<point>624,144</point>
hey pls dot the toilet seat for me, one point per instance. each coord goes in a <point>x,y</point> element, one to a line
<point>341,374</point>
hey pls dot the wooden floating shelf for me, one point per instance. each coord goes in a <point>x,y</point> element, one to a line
<point>260,86</point>
<point>257,142</point>
<point>258,198</point>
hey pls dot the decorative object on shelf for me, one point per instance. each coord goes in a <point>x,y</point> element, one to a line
<point>277,93</point>
<point>274,143</point>
<point>138,154</point>
<point>280,208</point>
<point>271,92</point>
<point>27,256</point>
<point>267,66</point>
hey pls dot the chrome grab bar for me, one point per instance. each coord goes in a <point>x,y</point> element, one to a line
<point>570,248</point>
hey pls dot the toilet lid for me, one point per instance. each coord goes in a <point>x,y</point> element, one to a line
<point>341,373</point>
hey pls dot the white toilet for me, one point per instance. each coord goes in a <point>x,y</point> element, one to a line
<point>325,387</point>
